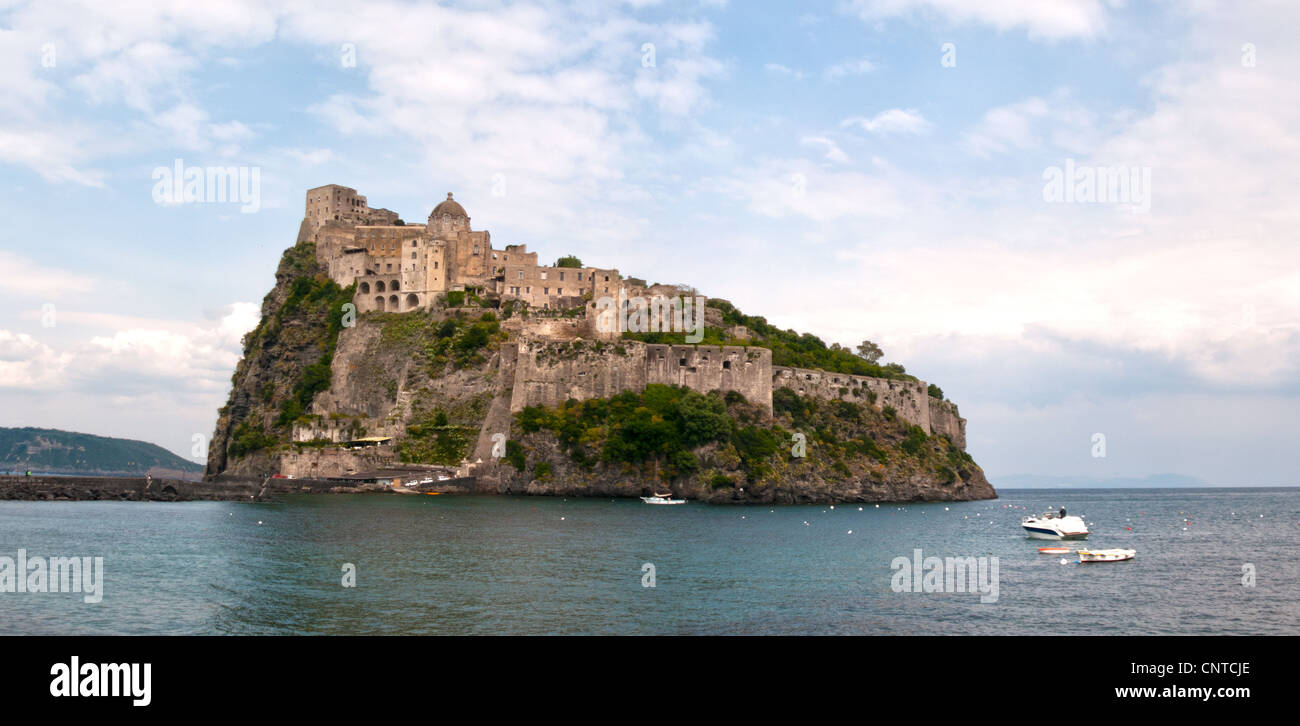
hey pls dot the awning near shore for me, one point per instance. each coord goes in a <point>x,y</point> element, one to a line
<point>368,441</point>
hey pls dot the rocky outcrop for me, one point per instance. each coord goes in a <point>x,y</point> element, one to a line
<point>446,386</point>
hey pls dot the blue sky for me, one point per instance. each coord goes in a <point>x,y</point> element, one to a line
<point>816,163</point>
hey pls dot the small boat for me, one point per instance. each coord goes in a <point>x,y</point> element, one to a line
<point>662,499</point>
<point>1116,555</point>
<point>1054,550</point>
<point>1053,526</point>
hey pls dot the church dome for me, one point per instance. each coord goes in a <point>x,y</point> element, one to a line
<point>449,207</point>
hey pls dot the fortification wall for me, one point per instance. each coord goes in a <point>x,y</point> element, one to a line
<point>909,398</point>
<point>747,371</point>
<point>944,419</point>
<point>548,373</point>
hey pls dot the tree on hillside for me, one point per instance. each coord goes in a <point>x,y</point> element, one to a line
<point>870,351</point>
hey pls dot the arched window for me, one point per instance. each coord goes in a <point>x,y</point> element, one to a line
<point>412,301</point>
<point>365,288</point>
<point>379,303</point>
<point>392,302</point>
<point>395,286</point>
<point>379,286</point>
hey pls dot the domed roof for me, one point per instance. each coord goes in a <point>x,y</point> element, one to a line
<point>451,207</point>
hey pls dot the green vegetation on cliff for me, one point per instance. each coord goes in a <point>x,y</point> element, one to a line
<point>789,348</point>
<point>457,341</point>
<point>676,432</point>
<point>293,347</point>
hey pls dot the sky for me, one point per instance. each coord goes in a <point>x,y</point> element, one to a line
<point>894,171</point>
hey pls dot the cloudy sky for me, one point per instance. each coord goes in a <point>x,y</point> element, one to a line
<point>851,168</point>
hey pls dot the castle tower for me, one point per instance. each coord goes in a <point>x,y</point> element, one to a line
<point>448,219</point>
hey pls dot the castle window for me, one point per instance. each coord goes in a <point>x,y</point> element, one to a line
<point>681,362</point>
<point>559,291</point>
<point>546,291</point>
<point>521,274</point>
<point>412,255</point>
<point>726,365</point>
<point>390,267</point>
<point>543,274</point>
<point>561,276</point>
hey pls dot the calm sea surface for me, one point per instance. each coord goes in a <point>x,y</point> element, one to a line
<point>500,565</point>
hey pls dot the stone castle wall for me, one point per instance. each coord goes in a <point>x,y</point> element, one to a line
<point>910,399</point>
<point>547,374</point>
<point>944,419</point>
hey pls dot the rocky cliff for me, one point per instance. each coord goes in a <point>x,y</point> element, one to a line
<point>471,388</point>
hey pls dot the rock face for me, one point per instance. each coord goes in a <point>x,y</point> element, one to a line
<point>821,451</point>
<point>447,386</point>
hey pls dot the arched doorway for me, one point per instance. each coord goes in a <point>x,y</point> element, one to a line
<point>412,301</point>
<point>379,303</point>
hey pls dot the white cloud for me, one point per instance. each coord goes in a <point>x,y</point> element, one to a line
<point>781,70</point>
<point>848,68</point>
<point>794,188</point>
<point>22,277</point>
<point>892,121</point>
<point>1053,20</point>
<point>26,363</point>
<point>833,151</point>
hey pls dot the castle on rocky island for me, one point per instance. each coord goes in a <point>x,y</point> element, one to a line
<point>399,267</point>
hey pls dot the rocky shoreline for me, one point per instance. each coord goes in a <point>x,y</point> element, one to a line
<point>143,489</point>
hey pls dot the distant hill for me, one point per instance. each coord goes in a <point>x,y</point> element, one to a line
<point>1151,481</point>
<point>68,452</point>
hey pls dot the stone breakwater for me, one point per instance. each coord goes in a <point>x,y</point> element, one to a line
<point>140,489</point>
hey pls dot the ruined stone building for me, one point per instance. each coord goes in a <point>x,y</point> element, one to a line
<point>399,267</point>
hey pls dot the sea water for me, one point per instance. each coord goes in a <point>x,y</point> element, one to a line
<point>1209,561</point>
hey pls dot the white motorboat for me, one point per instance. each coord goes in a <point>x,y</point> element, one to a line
<point>1115,555</point>
<point>1054,526</point>
<point>662,499</point>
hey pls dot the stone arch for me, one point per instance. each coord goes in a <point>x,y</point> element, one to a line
<point>365,288</point>
<point>412,301</point>
<point>392,303</point>
<point>395,286</point>
<point>379,286</point>
<point>379,303</point>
